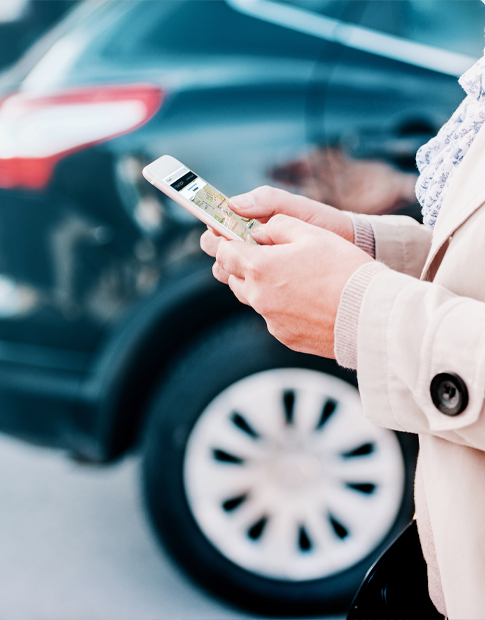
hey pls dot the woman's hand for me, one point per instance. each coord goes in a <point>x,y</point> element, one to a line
<point>265,202</point>
<point>294,279</point>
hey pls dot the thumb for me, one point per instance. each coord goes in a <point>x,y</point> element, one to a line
<point>245,205</point>
<point>281,229</point>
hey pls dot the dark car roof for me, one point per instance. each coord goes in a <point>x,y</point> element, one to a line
<point>114,40</point>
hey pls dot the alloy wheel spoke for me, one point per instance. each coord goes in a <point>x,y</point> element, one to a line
<point>286,477</point>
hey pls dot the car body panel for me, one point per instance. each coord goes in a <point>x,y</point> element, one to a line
<point>97,267</point>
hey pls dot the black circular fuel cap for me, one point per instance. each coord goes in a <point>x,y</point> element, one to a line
<point>449,393</point>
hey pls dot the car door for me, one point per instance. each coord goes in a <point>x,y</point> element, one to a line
<point>378,94</point>
<point>384,100</point>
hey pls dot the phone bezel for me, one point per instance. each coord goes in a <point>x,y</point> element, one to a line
<point>158,170</point>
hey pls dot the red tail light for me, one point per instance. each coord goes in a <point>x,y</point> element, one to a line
<point>36,132</point>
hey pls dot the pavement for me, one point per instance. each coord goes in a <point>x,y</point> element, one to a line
<point>75,545</point>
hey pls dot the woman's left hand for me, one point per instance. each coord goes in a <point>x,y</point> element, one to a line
<point>294,279</point>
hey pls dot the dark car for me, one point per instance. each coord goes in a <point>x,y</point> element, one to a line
<point>261,476</point>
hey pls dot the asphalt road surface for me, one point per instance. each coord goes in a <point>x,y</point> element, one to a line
<point>75,545</point>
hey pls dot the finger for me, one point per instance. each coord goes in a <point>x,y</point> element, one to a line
<point>237,287</point>
<point>246,206</point>
<point>219,273</point>
<point>260,234</point>
<point>214,232</point>
<point>284,229</point>
<point>265,202</point>
<point>235,257</point>
<point>209,243</point>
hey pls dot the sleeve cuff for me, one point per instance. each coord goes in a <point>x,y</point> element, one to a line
<point>347,321</point>
<point>363,234</point>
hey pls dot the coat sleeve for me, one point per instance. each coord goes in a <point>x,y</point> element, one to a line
<point>400,242</point>
<point>409,332</point>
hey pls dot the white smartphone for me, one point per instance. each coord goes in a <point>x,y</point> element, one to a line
<point>196,195</point>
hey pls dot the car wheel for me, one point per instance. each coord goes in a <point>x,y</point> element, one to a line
<point>264,480</point>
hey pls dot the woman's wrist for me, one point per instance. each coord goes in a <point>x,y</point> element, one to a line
<point>347,321</point>
<point>348,227</point>
<point>363,233</point>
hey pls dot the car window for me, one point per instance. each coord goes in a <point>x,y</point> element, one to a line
<point>201,28</point>
<point>456,25</point>
<point>328,8</point>
<point>130,33</point>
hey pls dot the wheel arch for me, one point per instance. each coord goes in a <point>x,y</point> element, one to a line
<point>138,354</point>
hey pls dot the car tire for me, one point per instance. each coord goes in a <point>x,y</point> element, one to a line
<point>232,446</point>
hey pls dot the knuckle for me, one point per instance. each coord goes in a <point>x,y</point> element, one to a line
<point>230,282</point>
<point>252,270</point>
<point>279,218</point>
<point>219,263</point>
<point>256,269</point>
<point>278,221</point>
<point>216,271</point>
<point>206,243</point>
<point>264,194</point>
<point>203,239</point>
<point>259,302</point>
<point>221,257</point>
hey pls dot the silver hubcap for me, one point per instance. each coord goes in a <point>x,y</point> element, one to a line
<point>286,477</point>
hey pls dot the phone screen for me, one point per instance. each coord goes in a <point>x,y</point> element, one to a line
<point>212,201</point>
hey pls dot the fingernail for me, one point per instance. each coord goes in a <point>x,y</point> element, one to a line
<point>243,201</point>
<point>257,230</point>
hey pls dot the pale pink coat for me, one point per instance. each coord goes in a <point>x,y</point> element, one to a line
<point>409,331</point>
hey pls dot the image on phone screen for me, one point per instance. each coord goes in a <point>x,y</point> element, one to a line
<point>212,201</point>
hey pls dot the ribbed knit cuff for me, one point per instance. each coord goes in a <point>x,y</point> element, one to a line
<point>347,321</point>
<point>363,233</point>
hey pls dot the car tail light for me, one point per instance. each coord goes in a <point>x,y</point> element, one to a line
<point>37,131</point>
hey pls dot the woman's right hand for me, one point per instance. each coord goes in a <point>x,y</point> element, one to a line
<point>264,202</point>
